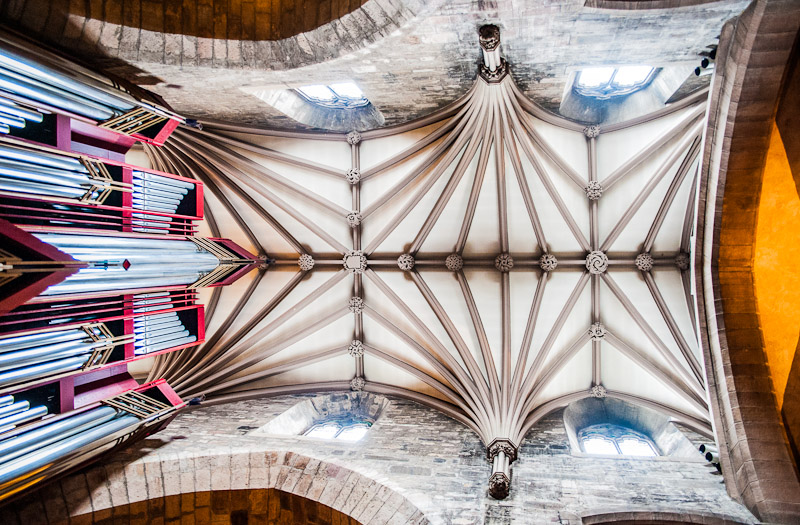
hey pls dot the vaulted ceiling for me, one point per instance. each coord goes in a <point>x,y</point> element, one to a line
<point>410,57</point>
<point>491,260</point>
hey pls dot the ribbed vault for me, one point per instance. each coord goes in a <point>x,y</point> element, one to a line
<point>491,261</point>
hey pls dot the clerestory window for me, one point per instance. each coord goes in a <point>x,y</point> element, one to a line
<point>607,439</point>
<point>345,430</point>
<point>607,82</point>
<point>343,95</point>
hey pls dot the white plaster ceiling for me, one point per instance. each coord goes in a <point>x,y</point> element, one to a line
<point>421,339</point>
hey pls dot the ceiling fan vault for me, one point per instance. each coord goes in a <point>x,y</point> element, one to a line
<point>492,260</point>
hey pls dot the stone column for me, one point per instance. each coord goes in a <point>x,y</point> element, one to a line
<point>494,67</point>
<point>502,453</point>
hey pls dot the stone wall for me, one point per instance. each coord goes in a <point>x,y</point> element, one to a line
<point>748,75</point>
<point>409,57</point>
<point>414,457</point>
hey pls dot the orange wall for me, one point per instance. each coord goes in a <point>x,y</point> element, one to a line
<point>777,274</point>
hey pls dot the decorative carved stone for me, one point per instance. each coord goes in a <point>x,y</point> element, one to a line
<point>597,331</point>
<point>306,262</point>
<point>682,261</point>
<point>489,37</point>
<point>597,262</point>
<point>591,132</point>
<point>548,262</point>
<point>264,262</point>
<point>355,261</point>
<point>599,391</point>
<point>353,175</point>
<point>594,190</point>
<point>504,262</point>
<point>356,348</point>
<point>454,262</point>
<point>357,384</point>
<point>353,138</point>
<point>497,75</point>
<point>353,219</point>
<point>499,485</point>
<point>502,445</point>
<point>405,262</point>
<point>356,305</point>
<point>644,261</point>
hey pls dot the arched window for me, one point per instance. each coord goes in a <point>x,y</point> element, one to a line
<point>606,82</point>
<point>343,95</point>
<point>607,439</point>
<point>343,429</point>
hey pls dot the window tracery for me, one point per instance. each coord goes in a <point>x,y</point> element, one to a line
<point>607,82</point>
<point>341,429</point>
<point>342,95</point>
<point>606,439</point>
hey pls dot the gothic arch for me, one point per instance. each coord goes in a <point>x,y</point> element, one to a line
<point>661,518</point>
<point>755,459</point>
<point>218,40</point>
<point>97,491</point>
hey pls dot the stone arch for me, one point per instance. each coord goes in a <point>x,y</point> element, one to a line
<point>751,60</point>
<point>654,425</point>
<point>210,39</point>
<point>631,517</point>
<point>90,496</point>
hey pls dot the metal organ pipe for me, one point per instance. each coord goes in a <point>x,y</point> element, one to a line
<point>67,241</point>
<point>40,92</point>
<point>20,468</point>
<point>11,120</point>
<point>23,417</point>
<point>40,189</point>
<point>41,158</point>
<point>154,262</point>
<point>31,340</point>
<point>8,107</point>
<point>157,193</point>
<point>104,285</point>
<point>152,177</point>
<point>11,413</point>
<point>159,332</point>
<point>15,62</point>
<point>28,442</point>
<point>12,115</point>
<point>42,175</point>
<point>53,367</point>
<point>13,408</point>
<point>42,354</point>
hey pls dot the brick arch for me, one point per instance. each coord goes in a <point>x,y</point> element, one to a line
<point>92,495</point>
<point>157,32</point>
<point>751,59</point>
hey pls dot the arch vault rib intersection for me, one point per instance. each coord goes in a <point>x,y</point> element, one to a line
<point>491,261</point>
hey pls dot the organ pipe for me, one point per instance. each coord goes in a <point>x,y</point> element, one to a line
<point>153,262</point>
<point>28,442</point>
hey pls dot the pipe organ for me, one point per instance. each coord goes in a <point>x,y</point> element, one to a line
<point>36,83</point>
<point>100,264</point>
